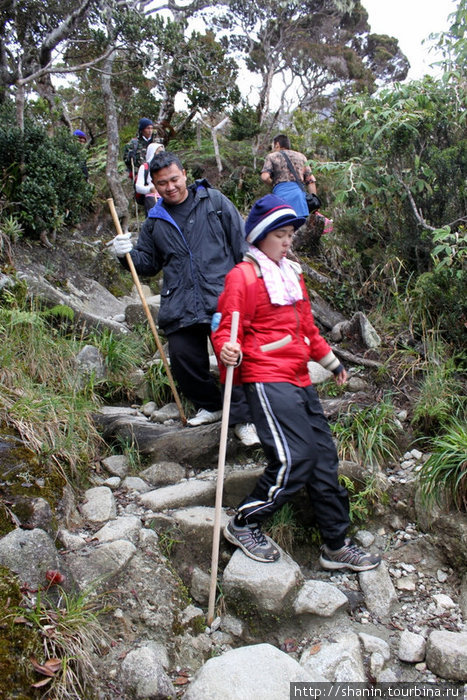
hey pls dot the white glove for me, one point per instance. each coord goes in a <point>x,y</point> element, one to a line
<point>121,244</point>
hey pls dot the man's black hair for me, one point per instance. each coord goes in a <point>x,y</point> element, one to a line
<point>282,140</point>
<point>164,159</point>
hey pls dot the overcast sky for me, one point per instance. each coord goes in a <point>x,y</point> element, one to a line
<point>411,21</point>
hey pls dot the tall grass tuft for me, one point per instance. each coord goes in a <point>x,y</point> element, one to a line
<point>367,435</point>
<point>445,471</point>
<point>284,528</point>
<point>441,394</point>
<point>39,396</point>
<point>70,632</point>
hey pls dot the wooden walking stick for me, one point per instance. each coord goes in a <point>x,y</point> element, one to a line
<point>220,473</point>
<point>148,313</point>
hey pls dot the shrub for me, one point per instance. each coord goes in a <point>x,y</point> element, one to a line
<point>42,183</point>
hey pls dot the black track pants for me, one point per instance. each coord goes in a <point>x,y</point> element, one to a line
<point>298,445</point>
<point>189,360</point>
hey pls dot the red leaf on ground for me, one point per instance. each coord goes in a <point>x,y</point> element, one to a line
<point>181,680</point>
<point>55,577</point>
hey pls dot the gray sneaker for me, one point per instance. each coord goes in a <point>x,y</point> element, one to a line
<point>348,557</point>
<point>251,541</point>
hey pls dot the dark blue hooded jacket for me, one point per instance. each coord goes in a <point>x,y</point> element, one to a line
<point>194,262</point>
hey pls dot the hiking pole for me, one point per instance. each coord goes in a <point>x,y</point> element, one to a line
<point>148,313</point>
<point>220,473</point>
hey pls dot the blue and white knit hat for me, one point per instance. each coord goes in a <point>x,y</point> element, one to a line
<point>268,214</point>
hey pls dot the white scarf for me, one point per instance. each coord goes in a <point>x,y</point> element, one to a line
<point>281,280</point>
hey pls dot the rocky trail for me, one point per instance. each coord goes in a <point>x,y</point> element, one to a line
<point>141,540</point>
<point>144,541</point>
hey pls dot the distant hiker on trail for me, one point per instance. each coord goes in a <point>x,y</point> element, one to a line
<point>134,153</point>
<point>195,235</point>
<point>145,191</point>
<point>81,138</point>
<point>277,336</point>
<point>276,171</point>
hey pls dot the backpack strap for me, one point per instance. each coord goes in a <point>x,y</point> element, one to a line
<point>292,170</point>
<point>215,197</point>
<point>146,172</point>
<point>251,282</point>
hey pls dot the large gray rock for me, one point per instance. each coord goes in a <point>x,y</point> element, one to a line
<point>135,314</point>
<point>118,465</point>
<point>446,654</point>
<point>380,594</point>
<point>269,586</point>
<point>29,554</point>
<point>163,473</point>
<point>197,522</point>
<point>448,529</point>
<point>186,493</point>
<point>337,660</point>
<point>90,363</point>
<point>258,671</point>
<point>144,675</point>
<point>319,598</point>
<point>97,566</point>
<point>99,504</point>
<point>93,304</point>
<point>122,528</point>
<point>411,647</point>
<point>239,482</point>
<point>199,446</point>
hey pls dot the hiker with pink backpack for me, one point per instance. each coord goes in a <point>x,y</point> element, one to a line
<point>277,337</point>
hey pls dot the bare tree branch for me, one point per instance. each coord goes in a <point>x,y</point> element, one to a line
<point>50,69</point>
<point>413,205</point>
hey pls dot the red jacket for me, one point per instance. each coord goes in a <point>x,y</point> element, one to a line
<point>280,341</point>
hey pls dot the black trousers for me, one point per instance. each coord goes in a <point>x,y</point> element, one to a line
<point>189,360</point>
<point>298,445</point>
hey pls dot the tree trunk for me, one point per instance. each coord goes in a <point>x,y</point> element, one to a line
<point>19,103</point>
<point>19,99</point>
<point>111,170</point>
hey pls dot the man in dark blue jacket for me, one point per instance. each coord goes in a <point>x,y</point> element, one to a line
<point>195,235</point>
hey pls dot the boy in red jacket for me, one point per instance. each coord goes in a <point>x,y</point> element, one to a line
<point>277,337</point>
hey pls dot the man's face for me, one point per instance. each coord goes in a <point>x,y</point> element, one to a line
<point>147,131</point>
<point>170,182</point>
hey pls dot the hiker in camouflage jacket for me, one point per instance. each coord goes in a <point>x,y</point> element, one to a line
<point>134,153</point>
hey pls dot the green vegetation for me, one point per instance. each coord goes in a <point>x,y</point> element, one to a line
<point>42,173</point>
<point>367,435</point>
<point>441,393</point>
<point>445,471</point>
<point>285,529</point>
<point>17,642</point>
<point>363,500</point>
<point>41,396</point>
<point>70,632</point>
